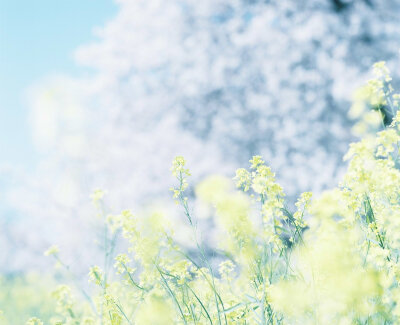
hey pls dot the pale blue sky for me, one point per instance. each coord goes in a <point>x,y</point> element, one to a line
<point>37,39</point>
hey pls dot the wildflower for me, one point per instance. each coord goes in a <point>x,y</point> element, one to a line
<point>302,205</point>
<point>96,275</point>
<point>243,179</point>
<point>181,173</point>
<point>178,167</point>
<point>121,264</point>
<point>256,161</point>
<point>226,268</point>
<point>381,71</point>
<point>97,195</point>
<point>34,321</point>
<point>53,250</point>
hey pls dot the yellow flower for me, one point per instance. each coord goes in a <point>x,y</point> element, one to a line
<point>53,250</point>
<point>34,321</point>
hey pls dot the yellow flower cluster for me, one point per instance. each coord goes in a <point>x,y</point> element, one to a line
<point>375,104</point>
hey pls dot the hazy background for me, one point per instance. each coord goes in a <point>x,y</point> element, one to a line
<point>102,94</point>
<point>37,38</point>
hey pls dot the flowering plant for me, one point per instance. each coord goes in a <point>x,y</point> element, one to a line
<point>333,260</point>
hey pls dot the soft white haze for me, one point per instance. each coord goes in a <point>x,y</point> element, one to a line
<point>216,81</point>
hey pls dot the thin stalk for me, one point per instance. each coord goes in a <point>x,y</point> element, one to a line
<point>171,293</point>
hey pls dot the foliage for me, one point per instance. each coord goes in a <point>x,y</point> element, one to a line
<point>335,260</point>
